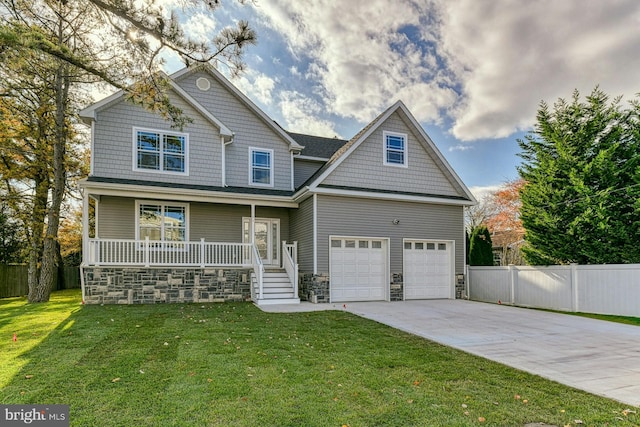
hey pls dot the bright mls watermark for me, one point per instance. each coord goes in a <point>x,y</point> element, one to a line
<point>34,415</point>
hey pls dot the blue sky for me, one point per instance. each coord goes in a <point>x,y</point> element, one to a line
<point>472,72</point>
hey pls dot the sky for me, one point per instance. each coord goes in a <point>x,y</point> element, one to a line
<point>472,72</point>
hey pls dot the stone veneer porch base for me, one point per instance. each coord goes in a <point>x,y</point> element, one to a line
<point>138,285</point>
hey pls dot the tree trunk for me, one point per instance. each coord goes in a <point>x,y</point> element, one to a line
<point>49,270</point>
<point>35,245</point>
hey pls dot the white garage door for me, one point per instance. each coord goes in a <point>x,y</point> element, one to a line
<point>358,270</point>
<point>428,269</point>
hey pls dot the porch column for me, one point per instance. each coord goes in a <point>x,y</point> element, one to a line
<point>253,224</point>
<point>85,226</point>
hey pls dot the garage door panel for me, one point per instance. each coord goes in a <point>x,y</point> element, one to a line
<point>428,270</point>
<point>358,269</point>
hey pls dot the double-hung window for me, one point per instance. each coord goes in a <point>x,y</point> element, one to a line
<point>395,149</point>
<point>261,167</point>
<point>160,151</point>
<point>162,221</point>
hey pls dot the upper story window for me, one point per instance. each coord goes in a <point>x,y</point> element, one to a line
<point>395,149</point>
<point>261,167</point>
<point>161,221</point>
<point>160,151</point>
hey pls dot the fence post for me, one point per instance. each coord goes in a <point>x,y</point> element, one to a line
<point>514,278</point>
<point>467,280</point>
<point>574,288</point>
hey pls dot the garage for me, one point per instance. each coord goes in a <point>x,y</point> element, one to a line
<point>428,269</point>
<point>358,269</point>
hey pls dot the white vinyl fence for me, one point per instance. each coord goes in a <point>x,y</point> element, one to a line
<point>602,289</point>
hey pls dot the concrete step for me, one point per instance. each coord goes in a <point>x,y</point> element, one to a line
<point>278,295</point>
<point>278,301</point>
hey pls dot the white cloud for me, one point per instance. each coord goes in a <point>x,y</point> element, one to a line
<point>461,147</point>
<point>257,86</point>
<point>361,59</point>
<point>482,192</point>
<point>302,115</point>
<point>484,65</point>
<point>201,27</point>
<point>508,57</point>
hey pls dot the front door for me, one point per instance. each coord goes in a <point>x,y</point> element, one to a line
<point>267,238</point>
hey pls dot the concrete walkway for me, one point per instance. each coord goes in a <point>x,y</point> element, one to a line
<point>600,357</point>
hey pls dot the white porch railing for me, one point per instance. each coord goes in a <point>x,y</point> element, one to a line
<point>149,253</point>
<point>290,263</point>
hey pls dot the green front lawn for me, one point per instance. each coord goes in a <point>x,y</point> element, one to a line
<point>233,365</point>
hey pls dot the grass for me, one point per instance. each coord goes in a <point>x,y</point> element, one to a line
<point>611,318</point>
<point>233,365</point>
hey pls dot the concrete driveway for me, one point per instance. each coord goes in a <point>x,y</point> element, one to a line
<point>600,357</point>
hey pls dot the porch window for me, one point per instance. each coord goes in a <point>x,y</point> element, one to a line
<point>261,167</point>
<point>160,221</point>
<point>160,151</point>
<point>395,149</point>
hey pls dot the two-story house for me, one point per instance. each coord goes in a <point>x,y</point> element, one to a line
<point>234,207</point>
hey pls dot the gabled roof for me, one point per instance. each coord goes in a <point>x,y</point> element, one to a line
<point>89,113</point>
<point>317,147</point>
<point>293,145</point>
<point>341,154</point>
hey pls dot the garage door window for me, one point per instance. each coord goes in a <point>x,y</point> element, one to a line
<point>419,246</point>
<point>349,243</point>
<point>336,243</point>
<point>363,244</point>
<point>431,246</point>
<point>442,246</point>
<point>376,244</point>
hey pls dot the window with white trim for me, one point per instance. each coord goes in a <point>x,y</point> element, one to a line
<point>162,221</point>
<point>260,166</point>
<point>395,149</point>
<point>160,151</point>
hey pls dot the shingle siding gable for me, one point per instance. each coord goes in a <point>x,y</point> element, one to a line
<point>113,144</point>
<point>364,167</point>
<point>249,131</point>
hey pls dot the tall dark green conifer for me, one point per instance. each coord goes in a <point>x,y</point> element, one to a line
<point>581,200</point>
<point>480,247</point>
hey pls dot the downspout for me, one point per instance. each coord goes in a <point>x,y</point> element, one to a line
<point>292,172</point>
<point>315,234</point>
<point>223,163</point>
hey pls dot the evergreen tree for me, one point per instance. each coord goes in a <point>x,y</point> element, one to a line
<point>480,247</point>
<point>581,200</point>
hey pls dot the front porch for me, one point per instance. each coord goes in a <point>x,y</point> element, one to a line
<point>123,271</point>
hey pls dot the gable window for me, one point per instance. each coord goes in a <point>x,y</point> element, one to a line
<point>261,167</point>
<point>162,221</point>
<point>395,149</point>
<point>160,151</point>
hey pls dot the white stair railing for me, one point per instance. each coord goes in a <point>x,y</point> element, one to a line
<point>258,270</point>
<point>290,264</point>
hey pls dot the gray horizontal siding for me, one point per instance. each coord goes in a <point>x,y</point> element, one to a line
<point>302,232</point>
<point>116,218</point>
<point>213,222</point>
<point>113,144</point>
<point>364,167</point>
<point>345,216</point>
<point>303,170</point>
<point>249,131</point>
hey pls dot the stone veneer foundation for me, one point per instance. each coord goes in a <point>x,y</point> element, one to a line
<point>313,287</point>
<point>134,285</point>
